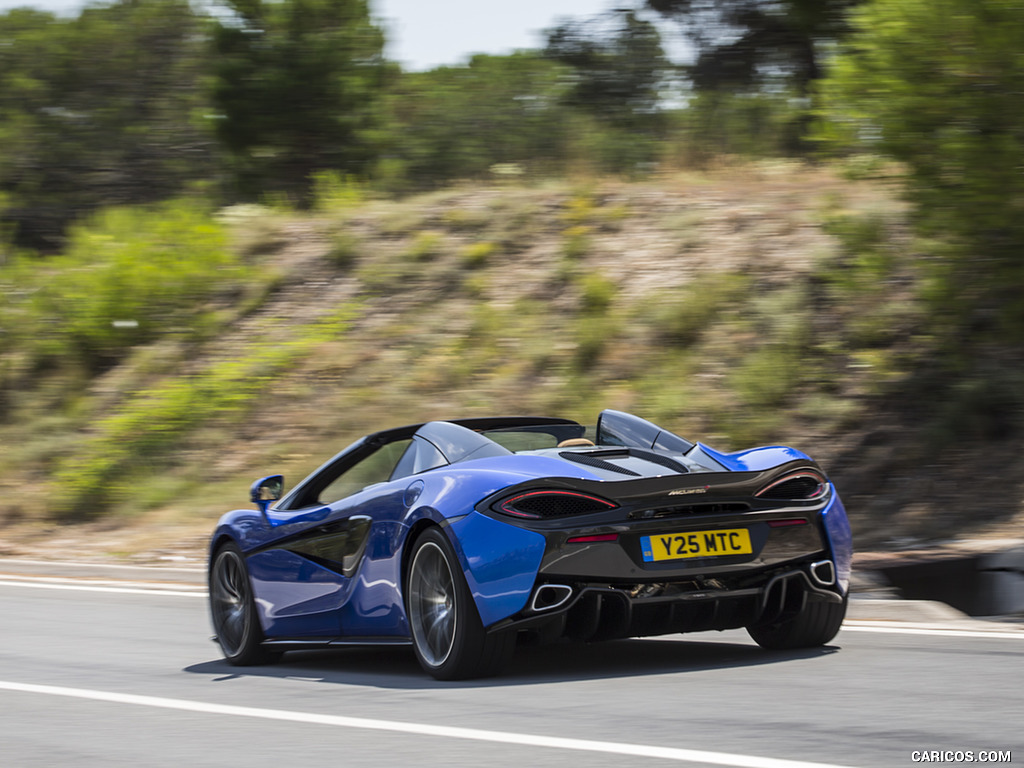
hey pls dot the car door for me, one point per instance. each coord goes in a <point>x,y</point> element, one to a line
<point>310,572</point>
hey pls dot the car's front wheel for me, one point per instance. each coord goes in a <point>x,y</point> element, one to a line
<point>448,636</point>
<point>815,624</point>
<point>233,610</point>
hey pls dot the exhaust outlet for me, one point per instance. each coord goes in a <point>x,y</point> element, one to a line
<point>823,572</point>
<point>547,597</point>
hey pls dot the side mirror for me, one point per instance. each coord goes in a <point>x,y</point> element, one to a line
<point>265,490</point>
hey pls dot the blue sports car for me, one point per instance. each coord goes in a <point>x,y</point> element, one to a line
<point>462,537</point>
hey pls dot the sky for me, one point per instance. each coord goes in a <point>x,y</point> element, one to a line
<point>423,34</point>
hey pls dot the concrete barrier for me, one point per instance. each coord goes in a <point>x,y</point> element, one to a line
<point>979,583</point>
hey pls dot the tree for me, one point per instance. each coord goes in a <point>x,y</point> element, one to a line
<point>742,44</point>
<point>936,84</point>
<point>458,122</point>
<point>98,110</point>
<point>619,66</point>
<point>295,81</point>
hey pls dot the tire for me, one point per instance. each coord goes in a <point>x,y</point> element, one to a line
<point>449,639</point>
<point>233,610</point>
<point>816,624</point>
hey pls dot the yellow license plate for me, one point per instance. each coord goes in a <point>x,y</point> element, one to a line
<point>675,546</point>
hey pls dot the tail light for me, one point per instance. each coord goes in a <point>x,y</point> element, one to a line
<point>546,504</point>
<point>804,485</point>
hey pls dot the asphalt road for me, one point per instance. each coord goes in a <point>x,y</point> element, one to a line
<point>130,678</point>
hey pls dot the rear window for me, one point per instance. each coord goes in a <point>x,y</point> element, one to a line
<point>523,441</point>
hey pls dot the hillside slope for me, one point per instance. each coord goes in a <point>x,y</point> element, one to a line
<point>754,305</point>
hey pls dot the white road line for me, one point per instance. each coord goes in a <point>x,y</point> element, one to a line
<point>422,729</point>
<point>881,628</point>
<point>123,566</point>
<point>137,590</point>
<point>91,582</point>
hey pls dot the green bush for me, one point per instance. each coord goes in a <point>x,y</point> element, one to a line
<point>576,242</point>
<point>866,258</point>
<point>156,419</point>
<point>426,246</point>
<point>477,255</point>
<point>935,85</point>
<point>766,376</point>
<point>593,335</point>
<point>679,320</point>
<point>344,250</point>
<point>127,277</point>
<point>596,293</point>
<point>334,192</point>
<point>719,123</point>
<point>466,220</point>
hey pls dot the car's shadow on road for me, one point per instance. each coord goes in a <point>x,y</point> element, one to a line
<point>397,668</point>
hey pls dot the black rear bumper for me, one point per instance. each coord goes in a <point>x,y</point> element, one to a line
<point>592,611</point>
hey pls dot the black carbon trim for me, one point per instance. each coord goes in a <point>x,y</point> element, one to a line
<point>338,546</point>
<point>602,611</point>
<point>597,462</point>
<point>315,643</point>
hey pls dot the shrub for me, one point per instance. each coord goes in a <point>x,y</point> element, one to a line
<point>344,250</point>
<point>596,293</point>
<point>477,254</point>
<point>576,242</point>
<point>129,276</point>
<point>426,246</point>
<point>680,321</point>
<point>333,192</point>
<point>156,419</point>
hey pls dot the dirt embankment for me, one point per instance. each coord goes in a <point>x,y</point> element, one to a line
<point>739,308</point>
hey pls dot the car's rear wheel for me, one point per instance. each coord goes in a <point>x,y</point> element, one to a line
<point>448,636</point>
<point>815,624</point>
<point>233,610</point>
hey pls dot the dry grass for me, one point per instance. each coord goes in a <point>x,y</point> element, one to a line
<point>695,301</point>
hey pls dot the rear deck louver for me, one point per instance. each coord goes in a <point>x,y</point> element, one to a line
<point>547,504</point>
<point>802,485</point>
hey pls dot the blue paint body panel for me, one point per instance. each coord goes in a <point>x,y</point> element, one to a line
<point>500,562</point>
<point>755,459</point>
<point>375,608</point>
<point>296,597</point>
<point>840,537</point>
